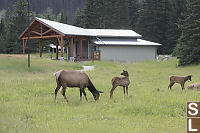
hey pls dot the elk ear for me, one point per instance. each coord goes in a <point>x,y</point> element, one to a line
<point>100,91</point>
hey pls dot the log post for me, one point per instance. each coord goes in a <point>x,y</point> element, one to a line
<point>81,48</point>
<point>24,46</point>
<point>61,42</point>
<point>57,49</point>
<point>99,55</point>
<point>40,46</point>
<point>71,48</point>
<point>61,45</point>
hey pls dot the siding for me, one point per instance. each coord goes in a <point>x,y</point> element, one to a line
<point>128,53</point>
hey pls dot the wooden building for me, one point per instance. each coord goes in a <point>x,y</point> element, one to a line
<point>88,44</point>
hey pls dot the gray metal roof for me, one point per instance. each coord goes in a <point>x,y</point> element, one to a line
<point>73,30</point>
<point>114,41</point>
<point>64,28</point>
<point>114,33</point>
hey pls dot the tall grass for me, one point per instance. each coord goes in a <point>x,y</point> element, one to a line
<point>26,98</point>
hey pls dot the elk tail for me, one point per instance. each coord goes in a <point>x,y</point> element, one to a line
<point>57,74</point>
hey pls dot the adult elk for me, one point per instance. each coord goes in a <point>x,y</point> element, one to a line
<point>69,78</point>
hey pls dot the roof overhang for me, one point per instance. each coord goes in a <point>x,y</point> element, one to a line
<point>123,42</point>
<point>114,33</point>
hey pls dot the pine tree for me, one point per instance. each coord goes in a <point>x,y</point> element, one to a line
<point>188,48</point>
<point>153,21</point>
<point>15,21</point>
<point>110,14</point>
<point>90,15</point>
<point>61,17</point>
<point>133,7</point>
<point>122,20</point>
<point>79,18</point>
<point>48,14</point>
<point>124,14</point>
<point>147,20</point>
<point>163,27</point>
<point>1,27</point>
<point>106,14</point>
<point>176,12</point>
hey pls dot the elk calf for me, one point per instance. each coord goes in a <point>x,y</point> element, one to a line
<point>120,81</point>
<point>195,86</point>
<point>179,79</point>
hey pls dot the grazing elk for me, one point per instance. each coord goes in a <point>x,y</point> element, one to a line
<point>179,79</point>
<point>120,81</point>
<point>194,86</point>
<point>68,78</point>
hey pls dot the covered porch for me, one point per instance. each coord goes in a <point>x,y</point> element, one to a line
<point>77,46</point>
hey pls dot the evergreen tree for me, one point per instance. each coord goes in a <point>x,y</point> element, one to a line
<point>153,22</point>
<point>188,47</point>
<point>106,14</point>
<point>133,7</point>
<point>15,22</point>
<point>79,18</point>
<point>90,15</point>
<point>97,14</point>
<point>176,12</point>
<point>61,17</point>
<point>48,14</point>
<point>147,20</point>
<point>1,27</point>
<point>110,14</point>
<point>123,14</point>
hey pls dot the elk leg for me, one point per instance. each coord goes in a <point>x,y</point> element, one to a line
<point>170,85</point>
<point>56,91</point>
<point>63,93</point>
<point>183,88</point>
<point>85,94</point>
<point>124,90</point>
<point>80,94</point>
<point>111,91</point>
<point>127,90</point>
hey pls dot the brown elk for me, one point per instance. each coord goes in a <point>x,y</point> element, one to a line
<point>120,81</point>
<point>179,79</point>
<point>194,86</point>
<point>69,78</point>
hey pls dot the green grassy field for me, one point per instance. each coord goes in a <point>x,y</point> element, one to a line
<point>27,98</point>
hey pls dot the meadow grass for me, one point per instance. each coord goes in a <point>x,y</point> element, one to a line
<point>26,98</point>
